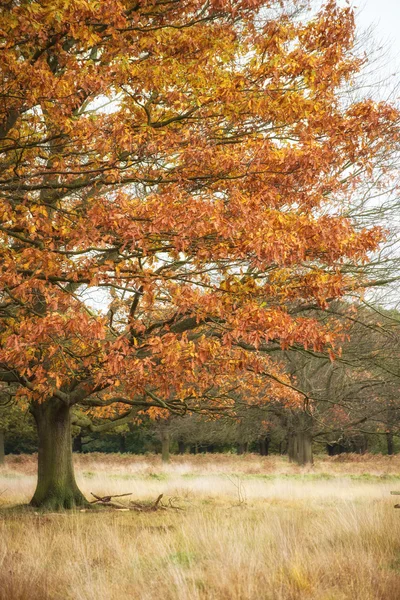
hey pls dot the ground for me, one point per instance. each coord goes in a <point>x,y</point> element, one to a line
<point>251,528</point>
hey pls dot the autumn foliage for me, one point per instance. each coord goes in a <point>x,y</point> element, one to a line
<point>172,182</point>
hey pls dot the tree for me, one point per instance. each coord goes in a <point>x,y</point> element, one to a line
<point>355,396</point>
<point>172,183</point>
<point>16,427</point>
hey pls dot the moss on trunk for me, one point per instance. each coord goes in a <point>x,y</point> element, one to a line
<point>56,486</point>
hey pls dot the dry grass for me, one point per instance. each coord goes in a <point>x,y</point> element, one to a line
<point>253,528</point>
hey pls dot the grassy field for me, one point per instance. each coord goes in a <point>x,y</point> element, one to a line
<point>249,528</point>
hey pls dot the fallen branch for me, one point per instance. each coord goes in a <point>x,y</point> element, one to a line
<point>138,506</point>
<point>107,499</point>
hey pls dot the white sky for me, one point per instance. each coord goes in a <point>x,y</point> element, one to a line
<point>384,15</point>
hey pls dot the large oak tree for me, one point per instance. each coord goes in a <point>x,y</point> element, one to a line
<point>172,181</point>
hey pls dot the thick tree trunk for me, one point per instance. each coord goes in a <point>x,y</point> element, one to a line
<point>2,453</point>
<point>300,447</point>
<point>165,446</point>
<point>181,447</point>
<point>56,486</point>
<point>304,448</point>
<point>389,440</point>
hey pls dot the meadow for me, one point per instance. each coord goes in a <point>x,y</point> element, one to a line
<point>234,528</point>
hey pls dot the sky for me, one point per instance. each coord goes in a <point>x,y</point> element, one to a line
<point>385,16</point>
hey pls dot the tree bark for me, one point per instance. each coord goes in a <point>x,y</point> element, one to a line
<point>389,440</point>
<point>77,443</point>
<point>2,453</point>
<point>292,447</point>
<point>56,486</point>
<point>165,446</point>
<point>181,447</point>
<point>300,447</point>
<point>262,447</point>
<point>304,448</point>
<point>240,449</point>
<point>267,441</point>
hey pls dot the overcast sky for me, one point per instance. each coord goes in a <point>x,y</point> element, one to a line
<point>385,16</point>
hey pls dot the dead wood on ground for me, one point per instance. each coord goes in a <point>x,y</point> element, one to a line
<point>137,506</point>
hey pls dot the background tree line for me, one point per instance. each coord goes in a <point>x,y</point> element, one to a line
<point>352,404</point>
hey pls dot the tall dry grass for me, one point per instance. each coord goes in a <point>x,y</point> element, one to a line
<point>252,528</point>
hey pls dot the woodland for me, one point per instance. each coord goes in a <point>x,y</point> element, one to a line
<point>198,236</point>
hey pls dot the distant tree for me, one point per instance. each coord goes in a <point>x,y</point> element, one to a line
<point>355,396</point>
<point>17,431</point>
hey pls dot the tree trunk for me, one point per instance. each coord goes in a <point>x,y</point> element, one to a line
<point>300,447</point>
<point>304,448</point>
<point>390,422</point>
<point>77,443</point>
<point>292,447</point>
<point>122,444</point>
<point>266,444</point>
<point>330,448</point>
<point>181,447</point>
<point>389,440</point>
<point>56,486</point>
<point>2,453</point>
<point>165,446</point>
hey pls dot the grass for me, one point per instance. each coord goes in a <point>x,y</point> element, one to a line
<point>252,528</point>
